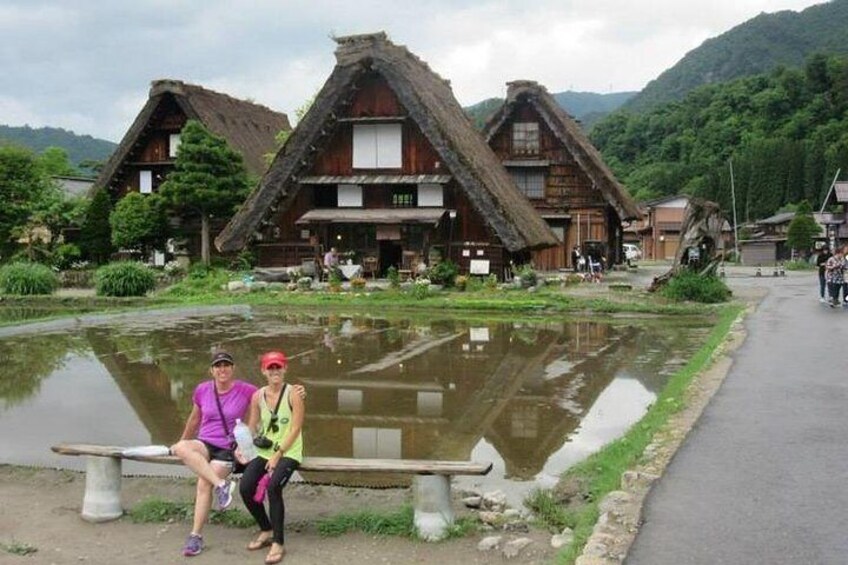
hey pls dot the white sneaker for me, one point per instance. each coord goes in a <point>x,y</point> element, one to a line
<point>822,300</point>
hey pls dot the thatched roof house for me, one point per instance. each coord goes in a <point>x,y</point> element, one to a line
<point>377,84</point>
<point>559,171</point>
<point>150,143</point>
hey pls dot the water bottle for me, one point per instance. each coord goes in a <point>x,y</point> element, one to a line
<point>244,439</point>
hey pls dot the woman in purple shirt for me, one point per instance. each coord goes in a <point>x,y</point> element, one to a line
<point>206,445</point>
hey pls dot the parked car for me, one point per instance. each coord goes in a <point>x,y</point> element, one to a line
<point>632,252</point>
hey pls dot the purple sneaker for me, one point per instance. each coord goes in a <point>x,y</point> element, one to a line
<point>224,495</point>
<point>193,545</point>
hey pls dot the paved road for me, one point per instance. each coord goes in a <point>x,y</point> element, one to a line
<point>763,477</point>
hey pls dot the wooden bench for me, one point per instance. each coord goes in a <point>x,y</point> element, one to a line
<point>431,481</point>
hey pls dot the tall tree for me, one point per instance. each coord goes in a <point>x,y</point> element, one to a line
<point>802,229</point>
<point>95,232</point>
<point>209,180</point>
<point>26,194</point>
<point>139,222</point>
<point>56,163</point>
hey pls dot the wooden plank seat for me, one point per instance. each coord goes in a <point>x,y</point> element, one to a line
<point>431,481</point>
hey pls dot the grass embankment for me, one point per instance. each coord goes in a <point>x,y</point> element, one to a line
<point>574,503</point>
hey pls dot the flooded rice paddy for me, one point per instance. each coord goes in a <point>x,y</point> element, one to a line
<point>532,396</point>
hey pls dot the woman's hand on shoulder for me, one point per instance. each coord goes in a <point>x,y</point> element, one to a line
<point>300,391</point>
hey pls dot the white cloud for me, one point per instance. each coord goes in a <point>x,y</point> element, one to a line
<point>87,65</point>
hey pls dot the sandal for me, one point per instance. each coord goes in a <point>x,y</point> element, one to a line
<point>275,556</point>
<point>260,541</point>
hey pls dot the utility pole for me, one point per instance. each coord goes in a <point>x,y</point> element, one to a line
<point>735,224</point>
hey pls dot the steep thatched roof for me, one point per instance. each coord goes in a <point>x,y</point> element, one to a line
<point>570,134</point>
<point>249,128</point>
<point>429,101</point>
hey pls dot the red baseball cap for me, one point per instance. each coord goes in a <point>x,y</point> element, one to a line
<point>274,358</point>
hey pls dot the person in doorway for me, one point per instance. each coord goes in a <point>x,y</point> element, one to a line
<point>575,258</point>
<point>835,274</point>
<point>277,415</point>
<point>821,261</point>
<point>206,444</point>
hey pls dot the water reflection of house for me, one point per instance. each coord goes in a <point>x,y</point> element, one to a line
<point>555,397</point>
<point>145,386</point>
<point>491,382</point>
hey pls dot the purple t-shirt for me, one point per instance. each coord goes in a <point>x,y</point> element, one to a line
<point>234,404</point>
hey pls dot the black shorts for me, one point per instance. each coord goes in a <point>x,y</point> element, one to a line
<point>225,455</point>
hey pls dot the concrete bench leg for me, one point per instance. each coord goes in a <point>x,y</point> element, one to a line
<point>433,511</point>
<point>102,500</point>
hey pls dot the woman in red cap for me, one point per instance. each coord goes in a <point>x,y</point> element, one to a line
<point>279,415</point>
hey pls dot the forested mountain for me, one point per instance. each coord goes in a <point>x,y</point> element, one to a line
<point>758,45</point>
<point>587,107</point>
<point>79,147</point>
<point>786,133</point>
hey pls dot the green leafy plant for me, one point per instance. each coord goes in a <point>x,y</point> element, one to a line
<point>393,277</point>
<point>460,282</point>
<point>18,548</point>
<point>492,282</point>
<point>124,278</point>
<point>357,283</point>
<point>443,273</point>
<point>66,255</point>
<point>528,276</point>
<point>27,278</point>
<point>420,289</point>
<point>688,285</point>
<point>304,283</point>
<point>157,510</point>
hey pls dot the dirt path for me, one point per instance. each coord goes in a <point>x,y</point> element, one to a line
<point>41,508</point>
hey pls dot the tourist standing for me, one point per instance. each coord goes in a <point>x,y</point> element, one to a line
<point>835,274</point>
<point>279,416</point>
<point>821,261</point>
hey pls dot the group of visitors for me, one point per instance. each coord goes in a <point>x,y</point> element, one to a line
<point>592,267</point>
<point>274,414</point>
<point>832,277</point>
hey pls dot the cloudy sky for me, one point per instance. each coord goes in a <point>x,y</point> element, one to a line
<point>86,65</point>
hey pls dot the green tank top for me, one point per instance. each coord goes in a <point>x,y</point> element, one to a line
<point>284,421</point>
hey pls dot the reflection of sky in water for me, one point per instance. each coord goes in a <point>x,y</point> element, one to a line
<point>618,407</point>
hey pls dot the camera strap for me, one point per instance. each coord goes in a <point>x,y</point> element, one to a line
<point>221,413</point>
<point>279,398</point>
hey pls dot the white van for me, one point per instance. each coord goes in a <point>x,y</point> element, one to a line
<point>632,252</point>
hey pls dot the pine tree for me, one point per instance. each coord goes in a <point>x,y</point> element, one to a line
<point>209,180</point>
<point>95,232</point>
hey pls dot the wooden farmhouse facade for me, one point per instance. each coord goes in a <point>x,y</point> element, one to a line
<point>386,166</point>
<point>147,151</point>
<point>561,174</point>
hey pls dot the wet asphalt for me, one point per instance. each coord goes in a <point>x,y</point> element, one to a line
<point>762,478</point>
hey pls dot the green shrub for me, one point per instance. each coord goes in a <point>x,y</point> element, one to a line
<point>125,278</point>
<point>199,271</point>
<point>528,276</point>
<point>689,285</point>
<point>492,282</point>
<point>475,284</point>
<point>244,261</point>
<point>65,255</point>
<point>393,276</point>
<point>443,273</point>
<point>27,278</point>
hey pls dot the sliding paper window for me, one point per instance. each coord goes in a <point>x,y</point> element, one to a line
<point>377,146</point>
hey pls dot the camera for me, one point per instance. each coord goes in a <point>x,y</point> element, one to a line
<point>262,442</point>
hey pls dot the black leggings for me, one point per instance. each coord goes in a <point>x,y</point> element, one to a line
<point>247,486</point>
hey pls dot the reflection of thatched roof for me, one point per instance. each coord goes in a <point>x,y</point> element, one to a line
<point>429,101</point>
<point>248,127</point>
<point>572,137</point>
